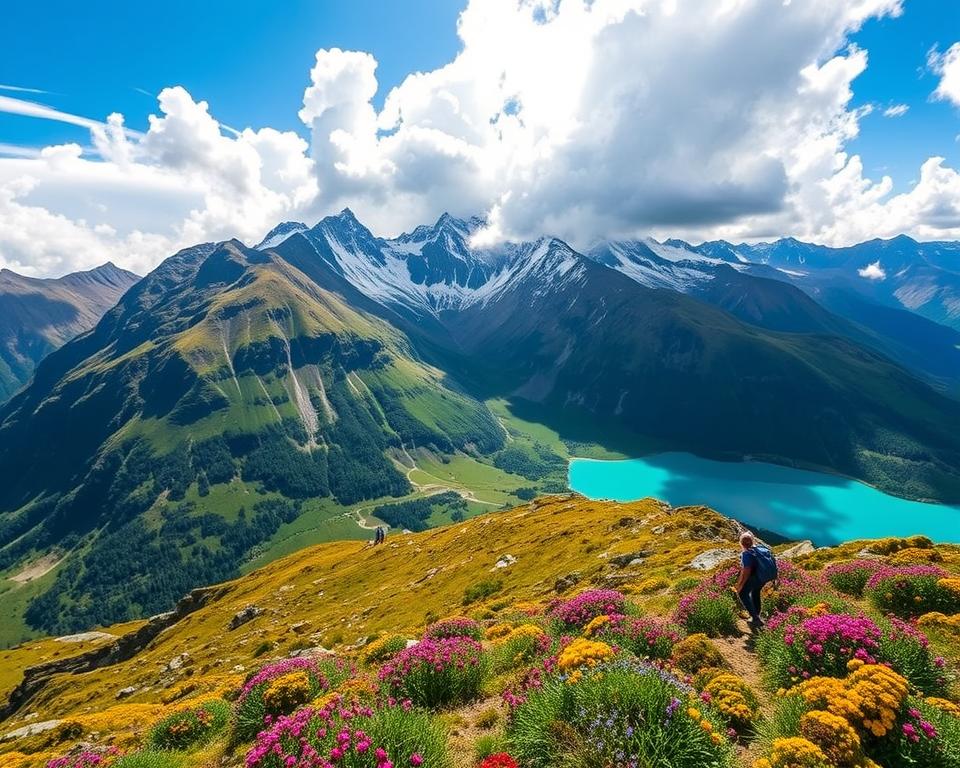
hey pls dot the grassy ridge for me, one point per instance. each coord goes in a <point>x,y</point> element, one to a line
<point>339,595</point>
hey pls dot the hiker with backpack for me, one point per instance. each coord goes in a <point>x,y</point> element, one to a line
<point>758,567</point>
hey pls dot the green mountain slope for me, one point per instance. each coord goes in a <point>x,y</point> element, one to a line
<point>223,367</point>
<point>37,316</point>
<point>609,354</point>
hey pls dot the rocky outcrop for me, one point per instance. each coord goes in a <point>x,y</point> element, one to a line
<point>126,647</point>
<point>243,616</point>
<point>801,548</point>
<point>569,581</point>
<point>710,559</point>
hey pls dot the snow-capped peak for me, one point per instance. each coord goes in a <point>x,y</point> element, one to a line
<point>280,233</point>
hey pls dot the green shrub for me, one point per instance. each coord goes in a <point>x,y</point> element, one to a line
<point>407,733</point>
<point>264,647</point>
<point>909,591</point>
<point>907,650</point>
<point>519,648</point>
<point>782,723</point>
<point>488,744</point>
<point>148,759</point>
<point>481,590</point>
<point>696,652</point>
<point>851,577</point>
<point>487,718</point>
<point>190,727</point>
<point>383,648</point>
<point>616,714</point>
<point>713,615</point>
<point>685,584</point>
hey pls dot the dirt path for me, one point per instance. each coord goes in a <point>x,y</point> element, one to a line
<point>739,653</point>
<point>466,730</point>
<point>432,489</point>
<point>741,656</point>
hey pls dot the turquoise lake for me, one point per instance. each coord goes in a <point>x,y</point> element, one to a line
<point>795,503</point>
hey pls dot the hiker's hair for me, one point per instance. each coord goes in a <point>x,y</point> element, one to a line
<point>746,539</point>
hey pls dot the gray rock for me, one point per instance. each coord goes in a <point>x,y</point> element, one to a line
<point>243,616</point>
<point>317,650</point>
<point>710,559</point>
<point>801,548</point>
<point>31,730</point>
<point>177,661</point>
<point>505,561</point>
<point>83,637</point>
<point>564,583</point>
<point>631,558</point>
<point>124,693</point>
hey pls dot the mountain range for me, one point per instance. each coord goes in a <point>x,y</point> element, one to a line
<point>37,315</point>
<point>236,396</point>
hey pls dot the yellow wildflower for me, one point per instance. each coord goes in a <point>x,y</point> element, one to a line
<point>583,653</point>
<point>498,631</point>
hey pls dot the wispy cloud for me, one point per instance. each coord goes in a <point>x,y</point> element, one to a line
<point>896,110</point>
<point>26,108</point>
<point>20,89</point>
<point>15,150</point>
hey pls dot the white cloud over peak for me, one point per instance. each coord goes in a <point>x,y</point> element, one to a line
<point>696,119</point>
<point>873,271</point>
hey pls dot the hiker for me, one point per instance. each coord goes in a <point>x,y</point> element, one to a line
<point>757,567</point>
<point>380,535</point>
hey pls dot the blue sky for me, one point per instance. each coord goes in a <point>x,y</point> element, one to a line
<point>249,59</point>
<point>898,74</point>
<point>698,119</point>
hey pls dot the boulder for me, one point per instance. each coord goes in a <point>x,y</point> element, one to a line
<point>243,616</point>
<point>505,561</point>
<point>710,559</point>
<point>30,730</point>
<point>801,548</point>
<point>177,661</point>
<point>631,558</point>
<point>564,583</point>
<point>85,637</point>
<point>124,693</point>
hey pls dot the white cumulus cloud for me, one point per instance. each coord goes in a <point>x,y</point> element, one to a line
<point>947,65</point>
<point>873,271</point>
<point>142,196</point>
<point>696,119</point>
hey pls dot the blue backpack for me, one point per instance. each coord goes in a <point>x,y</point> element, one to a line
<point>766,564</point>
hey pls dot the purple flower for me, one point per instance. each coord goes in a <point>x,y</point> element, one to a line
<point>579,610</point>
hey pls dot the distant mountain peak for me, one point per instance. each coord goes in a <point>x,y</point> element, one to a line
<point>280,233</point>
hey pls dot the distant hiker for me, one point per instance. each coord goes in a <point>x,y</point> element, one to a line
<point>757,567</point>
<point>379,535</point>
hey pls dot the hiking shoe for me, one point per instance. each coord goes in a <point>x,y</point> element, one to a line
<point>756,624</point>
